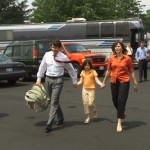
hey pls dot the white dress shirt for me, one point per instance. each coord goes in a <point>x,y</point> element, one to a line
<point>141,53</point>
<point>55,69</point>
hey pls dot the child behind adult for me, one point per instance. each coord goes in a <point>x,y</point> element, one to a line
<point>88,77</point>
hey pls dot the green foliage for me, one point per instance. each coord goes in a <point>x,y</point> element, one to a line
<point>12,12</point>
<point>146,19</point>
<point>62,10</point>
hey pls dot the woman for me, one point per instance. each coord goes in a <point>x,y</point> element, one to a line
<point>119,65</point>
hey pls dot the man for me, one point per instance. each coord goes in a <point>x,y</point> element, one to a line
<point>54,63</point>
<point>141,56</point>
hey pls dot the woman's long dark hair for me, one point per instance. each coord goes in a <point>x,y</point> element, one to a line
<point>124,50</point>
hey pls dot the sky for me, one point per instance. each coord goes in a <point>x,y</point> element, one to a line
<point>29,3</point>
<point>147,3</point>
<point>143,2</point>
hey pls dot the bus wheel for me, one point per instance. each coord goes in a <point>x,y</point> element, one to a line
<point>77,69</point>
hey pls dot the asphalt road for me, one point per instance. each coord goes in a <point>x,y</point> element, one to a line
<point>23,128</point>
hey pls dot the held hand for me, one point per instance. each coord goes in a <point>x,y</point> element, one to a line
<point>135,87</point>
<point>75,85</point>
<point>102,85</point>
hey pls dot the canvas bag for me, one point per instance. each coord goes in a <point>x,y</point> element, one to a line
<point>36,98</point>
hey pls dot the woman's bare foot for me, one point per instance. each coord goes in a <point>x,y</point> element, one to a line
<point>119,125</point>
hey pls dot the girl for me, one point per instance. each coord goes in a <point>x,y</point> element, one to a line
<point>87,77</point>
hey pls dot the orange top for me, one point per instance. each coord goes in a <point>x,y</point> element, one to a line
<point>120,68</point>
<point>89,79</point>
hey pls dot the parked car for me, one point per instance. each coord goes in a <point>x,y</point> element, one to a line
<point>77,53</point>
<point>31,52</point>
<point>28,52</point>
<point>11,71</point>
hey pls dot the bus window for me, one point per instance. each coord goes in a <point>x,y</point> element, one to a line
<point>107,30</point>
<point>6,35</point>
<point>122,29</point>
<point>92,30</point>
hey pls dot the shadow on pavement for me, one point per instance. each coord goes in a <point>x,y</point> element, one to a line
<point>4,84</point>
<point>68,124</point>
<point>102,119</point>
<point>3,115</point>
<point>132,124</point>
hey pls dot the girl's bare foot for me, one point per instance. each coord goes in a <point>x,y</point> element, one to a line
<point>95,114</point>
<point>87,120</point>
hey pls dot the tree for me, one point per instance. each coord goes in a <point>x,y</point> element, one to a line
<point>13,12</point>
<point>62,10</point>
<point>146,19</point>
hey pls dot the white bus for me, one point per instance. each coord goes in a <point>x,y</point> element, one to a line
<point>95,35</point>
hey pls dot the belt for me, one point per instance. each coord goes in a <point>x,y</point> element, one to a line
<point>53,77</point>
<point>142,59</point>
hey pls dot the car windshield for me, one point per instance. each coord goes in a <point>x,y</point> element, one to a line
<point>75,48</point>
<point>5,59</point>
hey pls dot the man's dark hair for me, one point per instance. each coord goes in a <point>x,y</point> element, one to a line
<point>56,42</point>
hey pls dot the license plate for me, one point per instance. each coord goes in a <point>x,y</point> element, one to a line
<point>101,68</point>
<point>9,69</point>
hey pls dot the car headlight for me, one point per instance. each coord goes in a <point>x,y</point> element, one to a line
<point>83,59</point>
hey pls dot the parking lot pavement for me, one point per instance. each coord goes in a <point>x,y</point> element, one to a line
<point>22,128</point>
